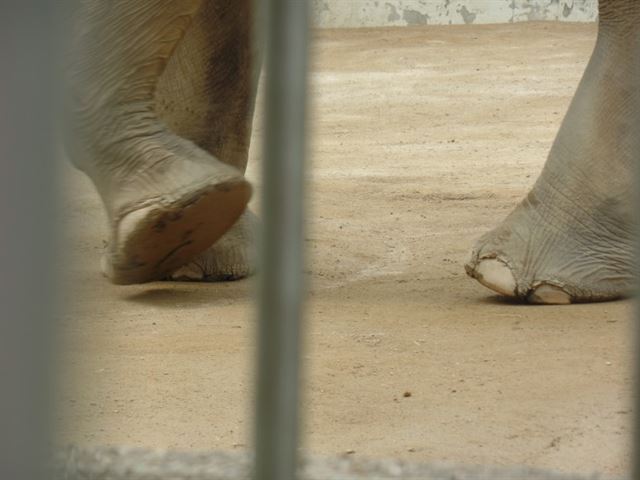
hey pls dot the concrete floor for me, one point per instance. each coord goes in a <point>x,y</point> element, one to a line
<point>423,139</point>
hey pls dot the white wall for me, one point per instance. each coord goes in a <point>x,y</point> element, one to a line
<point>375,13</point>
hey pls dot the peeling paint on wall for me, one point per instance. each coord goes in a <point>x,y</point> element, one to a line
<point>393,13</point>
<point>374,13</point>
<point>467,16</point>
<point>414,17</point>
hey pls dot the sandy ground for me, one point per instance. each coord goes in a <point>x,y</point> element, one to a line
<point>423,139</point>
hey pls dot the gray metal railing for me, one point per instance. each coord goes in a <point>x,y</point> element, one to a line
<point>281,279</point>
<point>27,231</point>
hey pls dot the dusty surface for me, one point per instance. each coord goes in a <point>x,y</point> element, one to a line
<point>134,463</point>
<point>423,139</point>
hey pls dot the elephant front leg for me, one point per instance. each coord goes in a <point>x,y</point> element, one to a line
<point>572,238</point>
<point>167,199</point>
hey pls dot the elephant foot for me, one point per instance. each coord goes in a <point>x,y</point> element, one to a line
<point>572,238</point>
<point>166,194</point>
<point>166,199</point>
<point>233,257</point>
<point>552,251</point>
<point>152,241</point>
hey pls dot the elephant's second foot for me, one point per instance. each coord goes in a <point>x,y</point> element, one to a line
<point>555,253</point>
<point>233,257</point>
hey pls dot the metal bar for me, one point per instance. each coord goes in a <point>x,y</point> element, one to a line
<point>635,463</point>
<point>27,159</point>
<point>634,131</point>
<point>635,332</point>
<point>281,278</point>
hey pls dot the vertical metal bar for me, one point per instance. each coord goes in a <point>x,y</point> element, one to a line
<point>281,276</point>
<point>635,462</point>
<point>27,162</point>
<point>634,131</point>
<point>635,329</point>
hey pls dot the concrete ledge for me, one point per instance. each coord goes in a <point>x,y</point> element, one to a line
<point>119,463</point>
<point>387,13</point>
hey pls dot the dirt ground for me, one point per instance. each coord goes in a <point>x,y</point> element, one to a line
<point>423,139</point>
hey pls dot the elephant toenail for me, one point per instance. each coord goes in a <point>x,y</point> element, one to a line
<point>496,275</point>
<point>549,295</point>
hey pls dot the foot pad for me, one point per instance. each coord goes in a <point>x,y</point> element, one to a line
<point>154,241</point>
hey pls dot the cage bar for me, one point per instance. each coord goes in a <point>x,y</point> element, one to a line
<point>281,281</point>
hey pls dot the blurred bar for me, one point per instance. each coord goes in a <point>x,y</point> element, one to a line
<point>28,93</point>
<point>634,131</point>
<point>281,275</point>
<point>635,463</point>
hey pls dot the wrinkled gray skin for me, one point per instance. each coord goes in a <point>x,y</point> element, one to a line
<point>163,99</point>
<point>572,238</point>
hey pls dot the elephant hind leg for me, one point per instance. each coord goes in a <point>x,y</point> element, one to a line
<point>207,94</point>
<point>151,242</point>
<point>166,198</point>
<point>572,238</point>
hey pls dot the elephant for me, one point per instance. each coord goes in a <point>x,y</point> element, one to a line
<point>161,104</point>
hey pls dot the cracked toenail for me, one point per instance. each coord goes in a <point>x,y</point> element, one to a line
<point>496,275</point>
<point>188,272</point>
<point>549,295</point>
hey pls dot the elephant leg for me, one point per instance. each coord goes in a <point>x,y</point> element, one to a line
<point>167,199</point>
<point>572,238</point>
<point>207,94</point>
